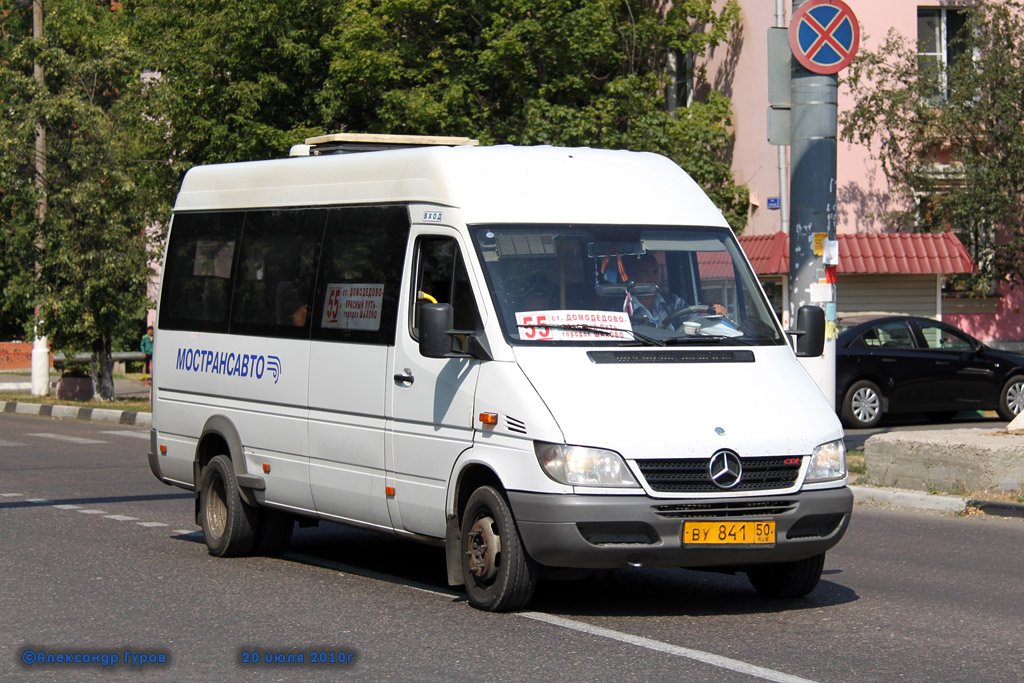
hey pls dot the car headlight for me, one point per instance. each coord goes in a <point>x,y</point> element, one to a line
<point>828,461</point>
<point>582,466</point>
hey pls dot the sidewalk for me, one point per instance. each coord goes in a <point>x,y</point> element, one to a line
<point>134,388</point>
<point>123,388</point>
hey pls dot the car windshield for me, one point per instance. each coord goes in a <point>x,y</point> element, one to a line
<point>623,285</point>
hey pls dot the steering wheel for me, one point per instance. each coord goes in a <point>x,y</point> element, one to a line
<point>685,314</point>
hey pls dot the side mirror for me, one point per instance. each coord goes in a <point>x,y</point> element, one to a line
<point>436,321</point>
<point>810,332</point>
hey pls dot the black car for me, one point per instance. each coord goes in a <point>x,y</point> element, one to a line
<point>903,364</point>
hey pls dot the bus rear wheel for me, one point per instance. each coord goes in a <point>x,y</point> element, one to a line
<point>229,524</point>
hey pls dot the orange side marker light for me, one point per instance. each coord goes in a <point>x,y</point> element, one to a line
<point>489,418</point>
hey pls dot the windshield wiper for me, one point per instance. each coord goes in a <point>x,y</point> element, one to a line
<point>599,329</point>
<point>704,339</point>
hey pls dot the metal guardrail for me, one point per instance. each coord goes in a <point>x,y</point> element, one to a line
<point>85,357</point>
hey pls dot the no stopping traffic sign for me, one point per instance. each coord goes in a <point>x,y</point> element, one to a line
<point>824,36</point>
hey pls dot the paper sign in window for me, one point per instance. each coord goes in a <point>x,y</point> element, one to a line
<point>353,306</point>
<point>573,325</point>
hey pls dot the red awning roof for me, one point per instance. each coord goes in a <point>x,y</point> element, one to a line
<point>904,254</point>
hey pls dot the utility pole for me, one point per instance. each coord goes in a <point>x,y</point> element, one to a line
<point>40,346</point>
<point>824,35</point>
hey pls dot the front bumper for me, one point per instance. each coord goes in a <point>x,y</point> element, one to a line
<point>608,532</point>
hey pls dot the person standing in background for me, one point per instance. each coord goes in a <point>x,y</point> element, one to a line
<point>146,346</point>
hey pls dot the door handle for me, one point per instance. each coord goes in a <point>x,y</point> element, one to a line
<point>405,378</point>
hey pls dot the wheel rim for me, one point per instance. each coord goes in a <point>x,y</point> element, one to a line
<point>865,405</point>
<point>484,549</point>
<point>216,508</point>
<point>1015,397</point>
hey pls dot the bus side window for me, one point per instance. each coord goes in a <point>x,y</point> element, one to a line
<point>197,278</point>
<point>277,263</point>
<point>356,297</point>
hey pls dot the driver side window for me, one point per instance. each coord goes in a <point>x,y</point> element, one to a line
<point>441,278</point>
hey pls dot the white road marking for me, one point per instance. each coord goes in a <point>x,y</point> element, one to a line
<point>65,437</point>
<point>122,518</point>
<point>134,434</point>
<point>10,443</point>
<point>12,495</point>
<point>93,512</point>
<point>657,645</point>
<point>148,524</point>
<point>188,532</point>
<point>67,507</point>
<point>38,501</point>
<point>676,650</point>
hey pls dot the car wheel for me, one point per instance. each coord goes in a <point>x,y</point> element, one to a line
<point>228,523</point>
<point>788,579</point>
<point>499,575</point>
<point>1011,398</point>
<point>862,405</point>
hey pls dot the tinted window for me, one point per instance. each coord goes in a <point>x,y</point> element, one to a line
<point>892,335</point>
<point>276,267</point>
<point>197,272</point>
<point>357,291</point>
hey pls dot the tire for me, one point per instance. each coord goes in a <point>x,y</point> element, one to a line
<point>1011,398</point>
<point>788,579</point>
<point>274,533</point>
<point>499,575</point>
<point>229,525</point>
<point>862,405</point>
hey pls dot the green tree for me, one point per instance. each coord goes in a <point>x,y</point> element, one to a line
<point>951,141</point>
<point>86,263</point>
<point>245,80</point>
<point>237,78</point>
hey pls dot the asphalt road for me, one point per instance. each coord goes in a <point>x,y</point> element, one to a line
<point>99,558</point>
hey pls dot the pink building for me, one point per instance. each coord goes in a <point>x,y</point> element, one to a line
<point>739,69</point>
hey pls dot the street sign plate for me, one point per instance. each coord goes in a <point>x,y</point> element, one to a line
<point>824,36</point>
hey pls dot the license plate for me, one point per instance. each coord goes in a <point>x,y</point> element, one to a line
<point>729,533</point>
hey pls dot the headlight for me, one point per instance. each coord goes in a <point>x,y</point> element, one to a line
<point>581,466</point>
<point>828,461</point>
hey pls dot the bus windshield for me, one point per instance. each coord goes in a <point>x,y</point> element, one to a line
<point>623,285</point>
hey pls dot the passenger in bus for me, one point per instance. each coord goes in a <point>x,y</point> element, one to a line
<point>291,310</point>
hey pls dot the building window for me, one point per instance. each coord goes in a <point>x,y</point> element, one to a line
<point>940,44</point>
<point>679,92</point>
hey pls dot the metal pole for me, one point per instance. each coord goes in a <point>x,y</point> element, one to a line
<point>813,205</point>
<point>40,346</point>
<point>780,21</point>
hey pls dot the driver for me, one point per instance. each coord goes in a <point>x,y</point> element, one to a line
<point>658,306</point>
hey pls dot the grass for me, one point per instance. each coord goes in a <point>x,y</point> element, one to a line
<point>139,405</point>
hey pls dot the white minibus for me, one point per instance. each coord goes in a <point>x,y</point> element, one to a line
<point>543,359</point>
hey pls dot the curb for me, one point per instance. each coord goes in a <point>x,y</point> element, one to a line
<point>927,501</point>
<point>117,417</point>
<point>910,499</point>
